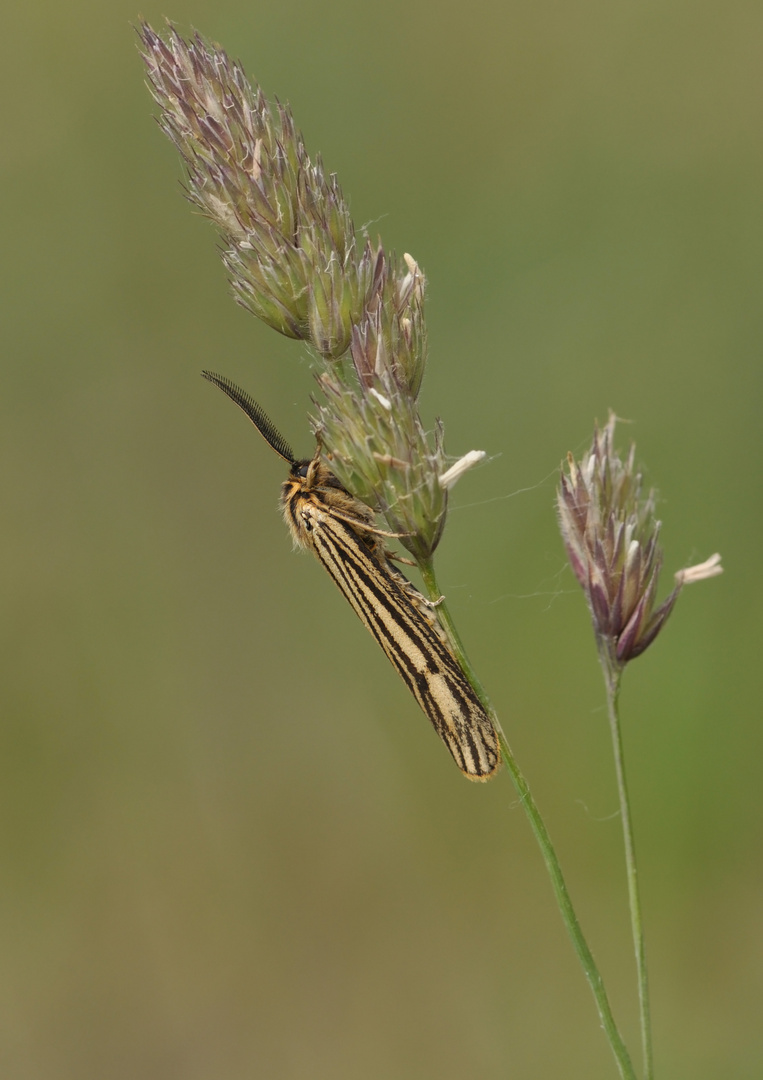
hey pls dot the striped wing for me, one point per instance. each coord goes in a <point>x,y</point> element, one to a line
<point>420,657</point>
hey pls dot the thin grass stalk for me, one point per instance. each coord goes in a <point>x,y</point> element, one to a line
<point>559,885</point>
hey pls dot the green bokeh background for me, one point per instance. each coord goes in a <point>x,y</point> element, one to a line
<point>231,846</point>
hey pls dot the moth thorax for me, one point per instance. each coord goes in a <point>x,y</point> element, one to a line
<point>293,503</point>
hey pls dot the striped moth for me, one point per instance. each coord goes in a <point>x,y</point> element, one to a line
<point>340,530</point>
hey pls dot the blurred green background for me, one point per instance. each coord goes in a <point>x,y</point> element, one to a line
<point>231,845</point>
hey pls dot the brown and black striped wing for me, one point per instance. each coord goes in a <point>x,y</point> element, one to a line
<point>423,661</point>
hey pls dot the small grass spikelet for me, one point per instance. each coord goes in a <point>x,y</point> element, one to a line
<point>611,535</point>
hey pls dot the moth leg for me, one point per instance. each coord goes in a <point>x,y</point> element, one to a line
<point>357,523</point>
<point>399,558</point>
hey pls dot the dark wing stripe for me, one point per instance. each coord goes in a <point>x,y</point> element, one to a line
<point>461,703</point>
<point>361,585</point>
<point>411,645</point>
<point>386,591</point>
<point>356,589</point>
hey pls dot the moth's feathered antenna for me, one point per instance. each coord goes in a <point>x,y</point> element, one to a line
<point>256,414</point>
